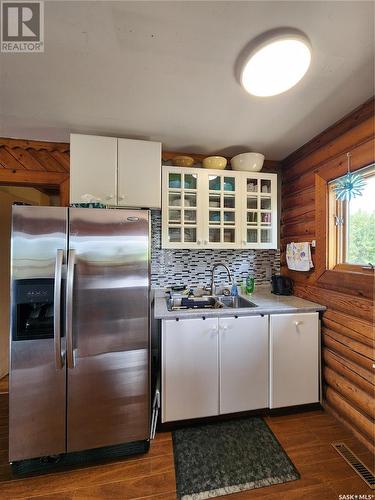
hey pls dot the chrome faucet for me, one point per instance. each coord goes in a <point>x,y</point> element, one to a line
<point>213,272</point>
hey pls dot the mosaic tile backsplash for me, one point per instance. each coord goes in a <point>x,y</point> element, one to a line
<point>193,267</point>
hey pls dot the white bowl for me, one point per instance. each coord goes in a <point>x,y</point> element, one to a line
<point>251,162</point>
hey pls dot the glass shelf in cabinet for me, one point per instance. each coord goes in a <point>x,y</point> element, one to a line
<point>265,203</point>
<point>190,234</point>
<point>214,235</point>
<point>265,186</point>
<point>190,200</point>
<point>252,185</point>
<point>229,235</point>
<point>229,201</point>
<point>174,234</point>
<point>265,236</point>
<point>252,235</point>
<point>174,181</point>
<point>190,216</point>
<point>174,199</point>
<point>252,203</point>
<point>214,182</point>
<point>190,181</point>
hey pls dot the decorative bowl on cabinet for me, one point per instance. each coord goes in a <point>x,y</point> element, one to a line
<point>183,161</point>
<point>215,162</point>
<point>250,162</point>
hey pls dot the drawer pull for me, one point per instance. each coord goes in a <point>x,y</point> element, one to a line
<point>297,323</point>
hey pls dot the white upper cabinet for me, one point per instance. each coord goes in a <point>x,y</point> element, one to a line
<point>218,209</point>
<point>221,217</point>
<point>259,210</point>
<point>139,172</point>
<point>118,172</point>
<point>181,205</point>
<point>93,168</point>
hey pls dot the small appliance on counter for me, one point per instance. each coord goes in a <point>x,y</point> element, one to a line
<point>281,285</point>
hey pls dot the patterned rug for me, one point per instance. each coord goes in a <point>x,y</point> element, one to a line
<point>226,457</point>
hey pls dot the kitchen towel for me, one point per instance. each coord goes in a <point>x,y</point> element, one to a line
<point>298,256</point>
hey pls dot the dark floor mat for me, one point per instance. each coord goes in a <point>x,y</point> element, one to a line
<point>226,457</point>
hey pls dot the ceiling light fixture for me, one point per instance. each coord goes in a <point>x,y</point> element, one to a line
<point>276,64</point>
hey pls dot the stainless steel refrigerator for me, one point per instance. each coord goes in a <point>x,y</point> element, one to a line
<point>80,330</point>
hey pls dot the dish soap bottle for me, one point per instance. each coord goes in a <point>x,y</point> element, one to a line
<point>250,284</point>
<point>234,290</point>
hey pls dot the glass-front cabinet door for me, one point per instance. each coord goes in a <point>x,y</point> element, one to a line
<point>221,217</point>
<point>259,229</point>
<point>181,203</point>
<point>204,208</point>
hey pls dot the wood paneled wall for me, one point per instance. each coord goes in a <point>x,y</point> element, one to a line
<point>347,325</point>
<point>35,163</point>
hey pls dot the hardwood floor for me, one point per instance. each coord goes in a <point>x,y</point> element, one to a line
<point>4,384</point>
<point>306,438</point>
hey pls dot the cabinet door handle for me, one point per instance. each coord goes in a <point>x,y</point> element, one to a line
<point>199,242</point>
<point>244,242</point>
<point>297,323</point>
<point>121,197</point>
<point>205,242</point>
<point>224,328</point>
<point>109,197</point>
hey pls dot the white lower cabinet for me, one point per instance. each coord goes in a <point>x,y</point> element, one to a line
<point>214,366</point>
<point>190,381</point>
<point>243,363</point>
<point>294,359</point>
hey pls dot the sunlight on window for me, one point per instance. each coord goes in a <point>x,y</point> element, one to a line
<point>361,226</point>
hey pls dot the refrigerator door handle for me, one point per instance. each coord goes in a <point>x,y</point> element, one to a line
<point>69,309</point>
<point>59,357</point>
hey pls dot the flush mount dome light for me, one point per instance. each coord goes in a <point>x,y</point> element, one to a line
<point>276,64</point>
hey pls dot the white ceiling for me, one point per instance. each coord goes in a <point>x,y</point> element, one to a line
<point>165,71</point>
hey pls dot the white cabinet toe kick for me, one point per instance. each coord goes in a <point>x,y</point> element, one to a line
<point>221,365</point>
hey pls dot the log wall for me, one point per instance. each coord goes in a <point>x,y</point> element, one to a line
<point>347,325</point>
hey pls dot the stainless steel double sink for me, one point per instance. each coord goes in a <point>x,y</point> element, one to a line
<point>208,302</point>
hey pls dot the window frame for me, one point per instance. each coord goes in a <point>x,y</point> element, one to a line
<point>338,234</point>
<point>344,278</point>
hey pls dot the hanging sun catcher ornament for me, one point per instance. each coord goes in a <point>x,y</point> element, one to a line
<point>350,186</point>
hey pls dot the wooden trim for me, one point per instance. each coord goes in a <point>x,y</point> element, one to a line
<point>27,177</point>
<point>63,147</point>
<point>352,282</point>
<point>353,268</point>
<point>321,213</point>
<point>351,120</point>
<point>64,192</point>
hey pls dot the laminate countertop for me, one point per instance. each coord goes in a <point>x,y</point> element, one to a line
<point>266,302</point>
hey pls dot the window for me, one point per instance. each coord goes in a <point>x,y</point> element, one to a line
<point>351,239</point>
